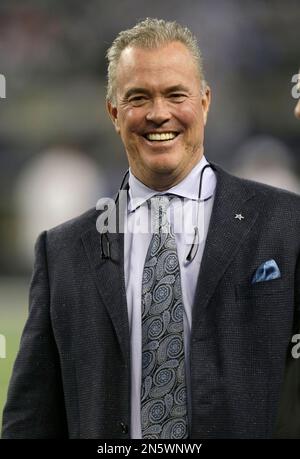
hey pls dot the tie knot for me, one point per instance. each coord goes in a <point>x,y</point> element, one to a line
<point>158,205</point>
<point>160,202</point>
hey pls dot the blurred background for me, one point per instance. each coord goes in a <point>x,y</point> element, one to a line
<point>58,150</point>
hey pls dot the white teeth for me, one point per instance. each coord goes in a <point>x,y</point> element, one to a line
<point>162,136</point>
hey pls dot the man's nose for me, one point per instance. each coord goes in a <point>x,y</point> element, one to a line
<point>158,111</point>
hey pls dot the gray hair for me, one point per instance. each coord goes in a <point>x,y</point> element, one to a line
<point>150,33</point>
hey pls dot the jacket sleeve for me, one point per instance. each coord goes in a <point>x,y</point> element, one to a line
<point>35,404</point>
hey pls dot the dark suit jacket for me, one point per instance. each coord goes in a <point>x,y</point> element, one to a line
<point>72,374</point>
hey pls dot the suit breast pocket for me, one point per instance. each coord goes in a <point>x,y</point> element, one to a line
<point>266,288</point>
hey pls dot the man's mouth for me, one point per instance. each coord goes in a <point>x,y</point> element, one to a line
<point>160,136</point>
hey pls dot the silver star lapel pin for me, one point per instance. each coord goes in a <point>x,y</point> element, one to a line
<point>239,216</point>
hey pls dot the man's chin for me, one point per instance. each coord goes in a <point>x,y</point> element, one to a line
<point>163,171</point>
<point>164,165</point>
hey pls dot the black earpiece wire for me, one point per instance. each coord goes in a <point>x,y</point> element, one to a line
<point>194,247</point>
<point>106,254</point>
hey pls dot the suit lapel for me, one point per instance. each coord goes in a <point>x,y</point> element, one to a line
<point>225,235</point>
<point>108,275</point>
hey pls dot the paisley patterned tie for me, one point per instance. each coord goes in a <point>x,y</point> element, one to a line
<point>163,391</point>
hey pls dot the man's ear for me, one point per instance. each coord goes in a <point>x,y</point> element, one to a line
<point>113,114</point>
<point>206,98</point>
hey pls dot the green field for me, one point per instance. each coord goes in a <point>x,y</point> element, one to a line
<point>14,305</point>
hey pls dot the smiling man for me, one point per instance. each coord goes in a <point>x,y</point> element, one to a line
<point>153,335</point>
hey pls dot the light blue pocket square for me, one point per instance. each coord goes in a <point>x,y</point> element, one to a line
<point>266,271</point>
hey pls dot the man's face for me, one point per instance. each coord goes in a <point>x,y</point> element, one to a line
<point>160,112</point>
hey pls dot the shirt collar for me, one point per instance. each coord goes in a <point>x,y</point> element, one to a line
<point>187,188</point>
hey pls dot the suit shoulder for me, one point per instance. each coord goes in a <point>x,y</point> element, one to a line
<point>267,191</point>
<point>271,191</point>
<point>71,230</point>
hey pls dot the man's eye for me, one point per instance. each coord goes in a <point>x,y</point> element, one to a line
<point>137,100</point>
<point>178,97</point>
